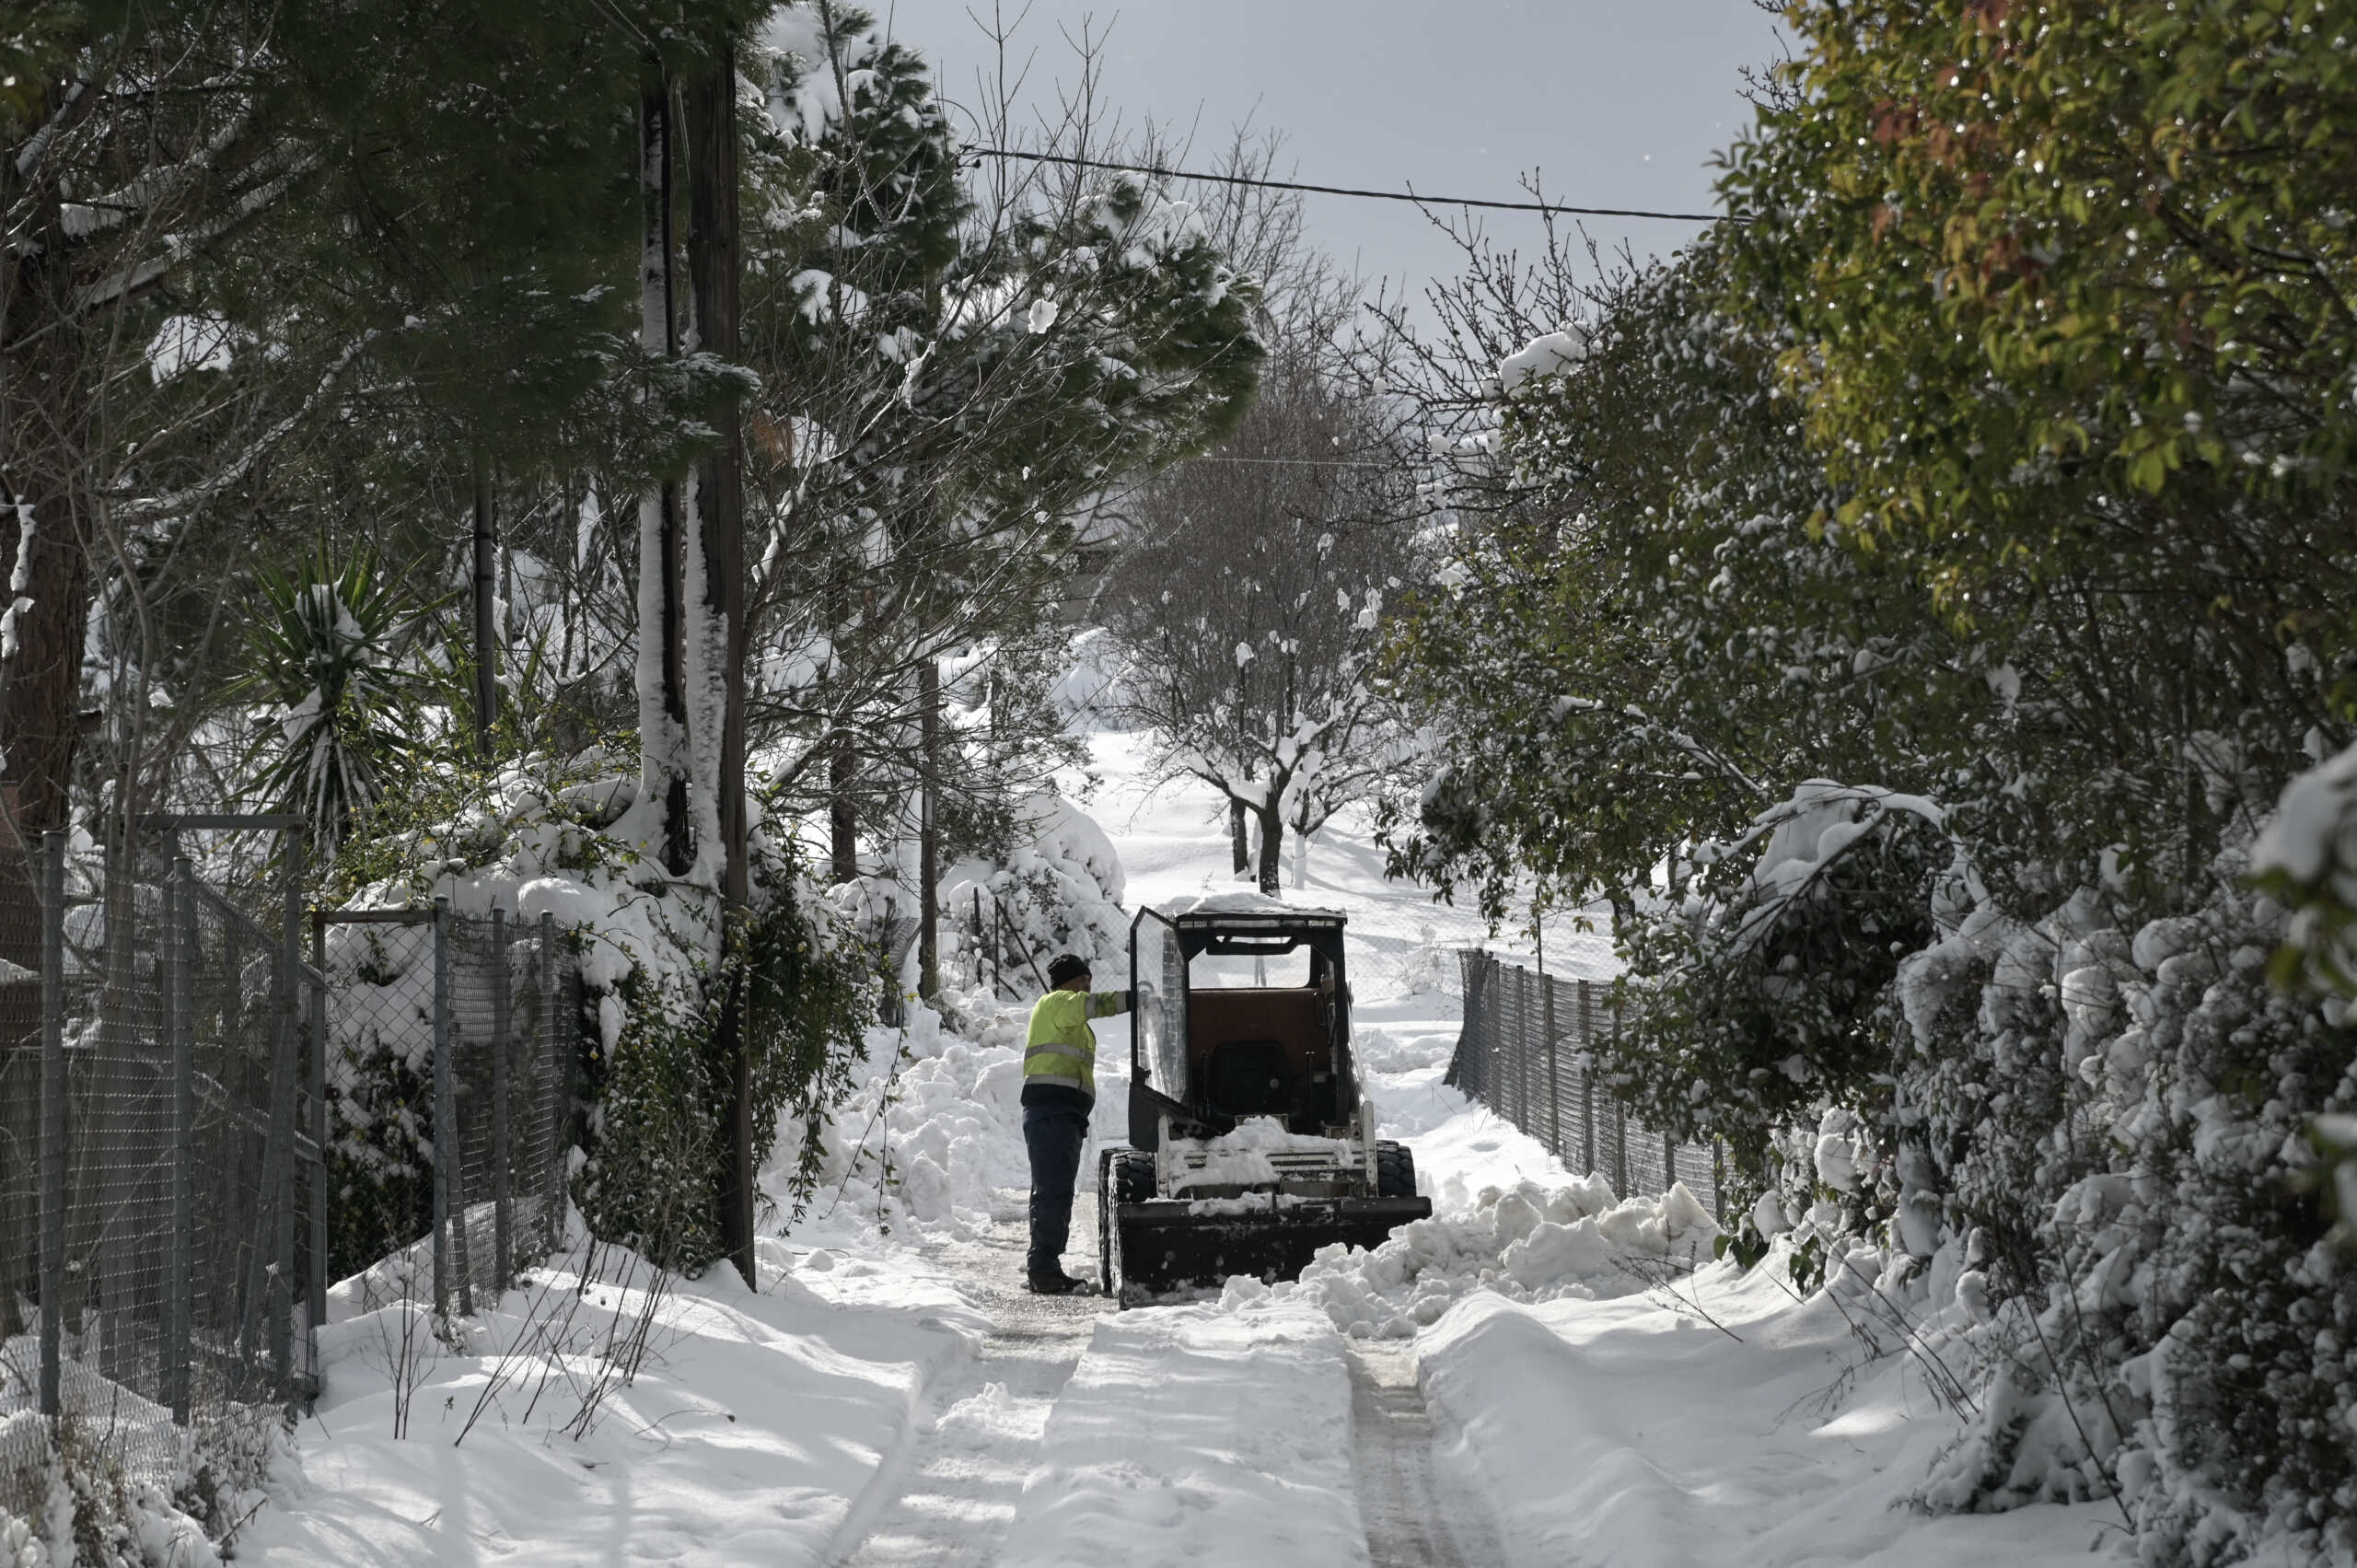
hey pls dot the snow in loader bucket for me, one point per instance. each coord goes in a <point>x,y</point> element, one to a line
<point>1251,1143</point>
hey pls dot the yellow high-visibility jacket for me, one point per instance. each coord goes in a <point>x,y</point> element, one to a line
<point>1061,1047</point>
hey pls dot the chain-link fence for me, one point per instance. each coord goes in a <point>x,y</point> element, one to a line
<point>1524,1053</point>
<point>458,1033</point>
<point>199,1129</point>
<point>160,1174</point>
<point>1399,953</point>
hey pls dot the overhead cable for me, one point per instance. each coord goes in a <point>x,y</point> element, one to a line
<point>978,150</point>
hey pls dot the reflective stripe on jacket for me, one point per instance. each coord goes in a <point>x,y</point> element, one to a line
<point>1062,1048</point>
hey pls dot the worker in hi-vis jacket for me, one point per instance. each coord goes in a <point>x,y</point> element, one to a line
<point>1059,1087</point>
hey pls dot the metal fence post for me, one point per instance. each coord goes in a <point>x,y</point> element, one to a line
<point>444,1121</point>
<point>1587,1080</point>
<point>1521,1049</point>
<point>286,1067</point>
<point>52,1117</point>
<point>1502,1053</point>
<point>321,1265</point>
<point>1620,1123</point>
<point>503,1245</point>
<point>1483,1007</point>
<point>102,1208</point>
<point>559,1066</point>
<point>182,943</point>
<point>1620,1132</point>
<point>1554,1077</point>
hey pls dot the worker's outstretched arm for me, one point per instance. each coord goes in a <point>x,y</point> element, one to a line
<point>1105,1004</point>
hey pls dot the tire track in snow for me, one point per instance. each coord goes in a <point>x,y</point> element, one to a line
<point>1414,1517</point>
<point>945,1501</point>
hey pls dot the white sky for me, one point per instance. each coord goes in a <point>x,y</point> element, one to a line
<point>1616,103</point>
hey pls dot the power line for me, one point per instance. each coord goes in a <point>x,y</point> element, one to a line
<point>981,151</point>
<point>1297,463</point>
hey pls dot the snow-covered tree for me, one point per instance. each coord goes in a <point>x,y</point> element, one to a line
<point>1249,606</point>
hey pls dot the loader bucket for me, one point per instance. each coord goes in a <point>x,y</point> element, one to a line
<point>1166,1244</point>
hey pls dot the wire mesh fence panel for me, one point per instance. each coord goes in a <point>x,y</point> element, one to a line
<point>452,1043</point>
<point>152,1175</point>
<point>1394,955</point>
<point>199,1130</point>
<point>24,1442</point>
<point>252,1176</point>
<point>1527,1053</point>
<point>379,1075</point>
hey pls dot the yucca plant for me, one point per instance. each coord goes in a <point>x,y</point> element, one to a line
<point>325,658</point>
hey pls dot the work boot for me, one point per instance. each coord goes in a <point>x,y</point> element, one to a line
<point>1057,1284</point>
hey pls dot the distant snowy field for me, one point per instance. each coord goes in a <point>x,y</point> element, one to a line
<point>1603,1404</point>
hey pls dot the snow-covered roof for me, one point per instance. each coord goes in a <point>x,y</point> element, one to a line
<point>1238,904</point>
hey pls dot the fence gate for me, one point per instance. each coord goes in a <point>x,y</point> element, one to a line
<point>465,1028</point>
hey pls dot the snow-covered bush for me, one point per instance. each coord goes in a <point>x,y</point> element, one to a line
<point>1060,883</point>
<point>658,974</point>
<point>1766,970</point>
<point>655,1157</point>
<point>97,1515</point>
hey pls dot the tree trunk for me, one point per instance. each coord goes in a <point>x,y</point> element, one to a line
<point>843,811</point>
<point>720,513</point>
<point>486,593</point>
<point>1237,838</point>
<point>929,829</point>
<point>44,429</point>
<point>1300,858</point>
<point>662,591</point>
<point>1273,848</point>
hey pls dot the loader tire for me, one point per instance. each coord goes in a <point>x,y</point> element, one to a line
<point>1126,1176</point>
<point>1132,1175</point>
<point>1395,1170</point>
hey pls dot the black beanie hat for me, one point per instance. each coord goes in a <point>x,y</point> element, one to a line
<point>1066,969</point>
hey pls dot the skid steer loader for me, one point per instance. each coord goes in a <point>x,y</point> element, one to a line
<point>1250,1145</point>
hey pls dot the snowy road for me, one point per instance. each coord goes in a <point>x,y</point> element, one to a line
<point>1418,1512</point>
<point>1069,1433</point>
<point>947,1501</point>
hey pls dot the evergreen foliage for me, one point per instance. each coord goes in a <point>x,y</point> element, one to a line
<point>328,657</point>
<point>1905,611</point>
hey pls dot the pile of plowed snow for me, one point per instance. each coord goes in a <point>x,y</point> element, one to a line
<point>1568,1238</point>
<point>933,1128</point>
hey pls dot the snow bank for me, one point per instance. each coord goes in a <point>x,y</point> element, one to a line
<point>1635,1432</point>
<point>533,1431</point>
<point>933,1128</point>
<point>1536,1242</point>
<point>1191,1435</point>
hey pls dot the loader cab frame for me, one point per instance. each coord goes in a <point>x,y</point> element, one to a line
<point>1204,1057</point>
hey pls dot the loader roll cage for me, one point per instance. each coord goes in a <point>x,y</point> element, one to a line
<point>1207,1057</point>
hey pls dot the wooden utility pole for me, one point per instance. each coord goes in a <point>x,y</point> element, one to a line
<point>929,828</point>
<point>487,590</point>
<point>662,558</point>
<point>712,271</point>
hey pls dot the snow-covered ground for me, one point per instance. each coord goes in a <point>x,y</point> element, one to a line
<point>1535,1365</point>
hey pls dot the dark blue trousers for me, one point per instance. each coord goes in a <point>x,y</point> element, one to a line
<point>1055,1124</point>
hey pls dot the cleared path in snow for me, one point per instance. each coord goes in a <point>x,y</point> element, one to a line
<point>1414,1518</point>
<point>945,1501</point>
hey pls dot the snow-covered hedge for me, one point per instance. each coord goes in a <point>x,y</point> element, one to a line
<point>2095,1135</point>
